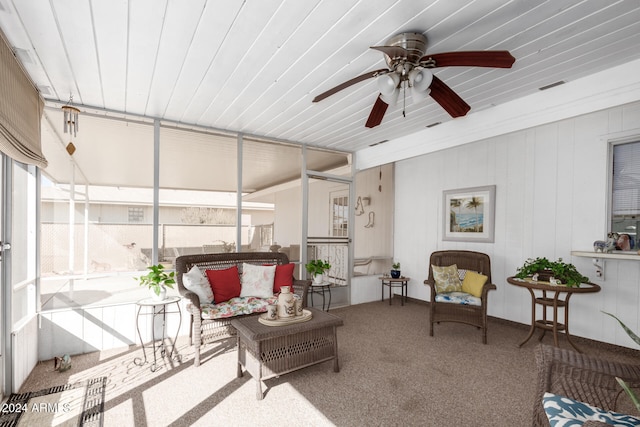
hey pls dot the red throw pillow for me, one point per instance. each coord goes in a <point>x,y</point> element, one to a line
<point>225,284</point>
<point>284,277</point>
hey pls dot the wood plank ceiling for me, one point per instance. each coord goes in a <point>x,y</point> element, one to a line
<point>255,66</point>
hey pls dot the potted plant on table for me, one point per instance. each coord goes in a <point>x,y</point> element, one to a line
<point>157,281</point>
<point>551,271</point>
<point>317,268</point>
<point>395,270</point>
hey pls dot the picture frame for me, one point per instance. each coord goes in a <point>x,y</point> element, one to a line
<point>469,214</point>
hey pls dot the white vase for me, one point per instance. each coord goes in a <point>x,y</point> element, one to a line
<point>162,296</point>
<point>286,305</point>
<point>318,278</point>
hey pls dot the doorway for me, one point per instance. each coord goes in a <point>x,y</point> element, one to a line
<point>329,231</point>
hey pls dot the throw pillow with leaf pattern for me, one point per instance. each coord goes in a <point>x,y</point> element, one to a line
<point>446,278</point>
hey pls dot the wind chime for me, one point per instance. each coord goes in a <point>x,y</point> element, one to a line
<point>71,115</point>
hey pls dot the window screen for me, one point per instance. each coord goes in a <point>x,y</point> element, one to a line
<point>625,191</point>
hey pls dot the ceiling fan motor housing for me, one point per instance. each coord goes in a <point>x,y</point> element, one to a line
<point>415,45</point>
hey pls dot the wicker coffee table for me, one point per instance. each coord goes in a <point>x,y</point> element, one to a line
<point>270,351</point>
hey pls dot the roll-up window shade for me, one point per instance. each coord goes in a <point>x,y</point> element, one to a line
<point>20,111</point>
<point>626,179</point>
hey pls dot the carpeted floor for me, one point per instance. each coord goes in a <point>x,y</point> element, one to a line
<point>392,374</point>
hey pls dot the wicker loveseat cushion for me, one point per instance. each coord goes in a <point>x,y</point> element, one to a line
<point>562,411</point>
<point>237,306</point>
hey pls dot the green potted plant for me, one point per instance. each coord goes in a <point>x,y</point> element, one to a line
<point>634,398</point>
<point>157,281</point>
<point>395,270</point>
<point>316,268</point>
<point>566,273</point>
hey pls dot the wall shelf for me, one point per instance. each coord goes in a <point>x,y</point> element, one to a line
<point>600,257</point>
<point>626,255</point>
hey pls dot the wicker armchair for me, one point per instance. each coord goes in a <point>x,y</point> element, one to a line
<point>207,330</point>
<point>451,312</point>
<point>583,378</point>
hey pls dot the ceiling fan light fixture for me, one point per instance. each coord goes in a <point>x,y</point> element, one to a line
<point>418,96</point>
<point>387,83</point>
<point>420,79</point>
<point>392,98</point>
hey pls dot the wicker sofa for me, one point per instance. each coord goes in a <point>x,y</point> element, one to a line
<point>204,329</point>
<point>582,378</point>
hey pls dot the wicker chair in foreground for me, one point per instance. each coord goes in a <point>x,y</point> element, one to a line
<point>205,330</point>
<point>583,378</point>
<point>452,307</point>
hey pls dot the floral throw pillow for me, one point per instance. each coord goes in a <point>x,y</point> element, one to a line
<point>446,278</point>
<point>257,280</point>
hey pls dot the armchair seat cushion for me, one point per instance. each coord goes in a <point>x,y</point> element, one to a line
<point>458,298</point>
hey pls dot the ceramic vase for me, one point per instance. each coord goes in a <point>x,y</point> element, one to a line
<point>286,304</point>
<point>162,296</point>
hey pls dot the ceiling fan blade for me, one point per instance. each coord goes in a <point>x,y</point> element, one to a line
<point>448,99</point>
<point>480,58</point>
<point>349,83</point>
<point>392,51</point>
<point>377,113</point>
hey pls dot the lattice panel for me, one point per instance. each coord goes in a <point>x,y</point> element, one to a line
<point>216,330</point>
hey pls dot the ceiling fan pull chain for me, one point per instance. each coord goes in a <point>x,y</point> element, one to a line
<point>404,98</point>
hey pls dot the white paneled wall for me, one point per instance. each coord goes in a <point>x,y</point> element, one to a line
<point>24,345</point>
<point>551,198</point>
<point>84,330</point>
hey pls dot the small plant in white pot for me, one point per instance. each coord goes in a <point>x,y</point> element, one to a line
<point>317,268</point>
<point>157,281</point>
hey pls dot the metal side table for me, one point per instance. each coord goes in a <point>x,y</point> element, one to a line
<point>400,282</point>
<point>157,309</point>
<point>321,289</point>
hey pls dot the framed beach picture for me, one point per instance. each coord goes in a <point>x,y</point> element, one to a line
<point>469,214</point>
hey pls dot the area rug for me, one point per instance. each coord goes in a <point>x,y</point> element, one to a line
<point>78,404</point>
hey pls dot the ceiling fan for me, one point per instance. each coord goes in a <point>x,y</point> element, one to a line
<point>409,67</point>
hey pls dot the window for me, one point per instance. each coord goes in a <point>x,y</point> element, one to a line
<point>136,215</point>
<point>625,190</point>
<point>339,214</point>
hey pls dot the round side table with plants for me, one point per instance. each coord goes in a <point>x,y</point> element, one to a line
<point>552,279</point>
